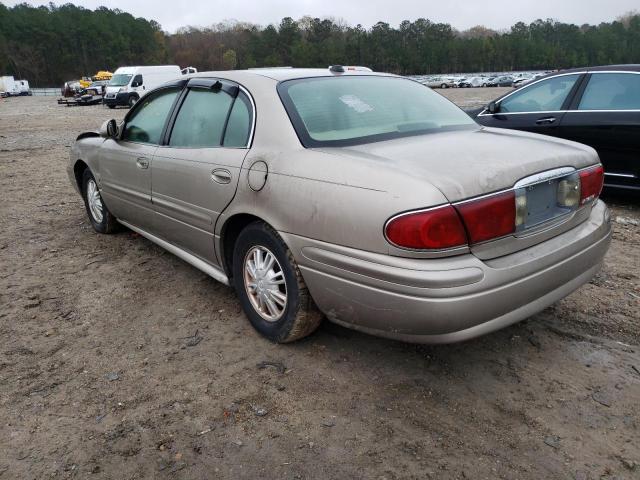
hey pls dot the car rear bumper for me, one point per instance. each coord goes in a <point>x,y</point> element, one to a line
<point>452,299</point>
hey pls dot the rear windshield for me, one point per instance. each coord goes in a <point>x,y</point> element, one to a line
<point>341,111</point>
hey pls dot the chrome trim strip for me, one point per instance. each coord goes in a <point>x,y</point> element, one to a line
<point>625,175</point>
<point>544,176</point>
<point>255,113</point>
<point>483,196</point>
<point>194,261</point>
<point>636,110</point>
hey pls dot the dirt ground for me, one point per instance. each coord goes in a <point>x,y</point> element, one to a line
<point>120,361</point>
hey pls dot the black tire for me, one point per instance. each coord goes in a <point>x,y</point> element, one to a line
<point>111,106</point>
<point>300,316</point>
<point>444,85</point>
<point>133,99</point>
<point>108,223</point>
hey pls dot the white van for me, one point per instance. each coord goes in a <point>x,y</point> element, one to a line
<point>129,84</point>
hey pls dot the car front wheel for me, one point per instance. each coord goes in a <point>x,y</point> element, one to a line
<point>270,287</point>
<point>101,218</point>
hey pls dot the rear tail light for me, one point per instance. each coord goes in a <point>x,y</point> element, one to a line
<point>486,218</point>
<point>591,181</point>
<point>434,229</point>
<point>489,217</point>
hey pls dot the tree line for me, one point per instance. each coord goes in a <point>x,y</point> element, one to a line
<point>48,45</point>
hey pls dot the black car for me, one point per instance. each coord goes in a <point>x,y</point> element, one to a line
<point>597,106</point>
<point>503,81</point>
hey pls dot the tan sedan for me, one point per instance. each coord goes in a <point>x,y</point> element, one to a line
<point>363,197</point>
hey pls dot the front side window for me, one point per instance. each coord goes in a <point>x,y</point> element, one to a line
<point>545,96</point>
<point>201,120</point>
<point>351,110</point>
<point>612,91</point>
<point>148,119</point>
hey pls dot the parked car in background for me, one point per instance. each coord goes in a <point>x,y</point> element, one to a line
<point>99,87</point>
<point>518,82</point>
<point>71,88</point>
<point>597,106</point>
<point>487,80</point>
<point>310,191</point>
<point>471,82</point>
<point>502,81</point>
<point>460,82</point>
<point>476,81</point>
<point>440,82</point>
<point>129,84</point>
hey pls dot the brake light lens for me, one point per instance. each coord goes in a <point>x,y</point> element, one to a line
<point>489,217</point>
<point>434,229</point>
<point>591,182</point>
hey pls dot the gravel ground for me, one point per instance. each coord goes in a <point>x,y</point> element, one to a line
<point>120,361</point>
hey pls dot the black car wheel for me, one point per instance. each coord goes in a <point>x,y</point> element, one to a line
<point>101,218</point>
<point>270,286</point>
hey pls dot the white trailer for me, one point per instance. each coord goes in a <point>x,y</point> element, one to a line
<point>8,86</point>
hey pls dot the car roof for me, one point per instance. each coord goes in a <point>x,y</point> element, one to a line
<point>281,74</point>
<point>603,68</point>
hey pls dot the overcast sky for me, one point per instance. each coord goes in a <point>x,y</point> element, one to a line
<point>461,14</point>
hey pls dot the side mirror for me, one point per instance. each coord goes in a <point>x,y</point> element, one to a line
<point>109,129</point>
<point>493,107</point>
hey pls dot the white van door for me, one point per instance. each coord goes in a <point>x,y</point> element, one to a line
<point>137,85</point>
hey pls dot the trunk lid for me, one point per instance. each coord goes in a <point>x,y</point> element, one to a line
<point>473,163</point>
<point>466,164</point>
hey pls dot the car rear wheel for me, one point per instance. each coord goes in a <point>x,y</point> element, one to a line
<point>444,85</point>
<point>101,218</point>
<point>270,287</point>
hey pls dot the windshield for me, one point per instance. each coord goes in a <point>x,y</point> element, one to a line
<point>340,111</point>
<point>120,80</point>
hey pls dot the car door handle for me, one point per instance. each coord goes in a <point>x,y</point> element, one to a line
<point>221,175</point>
<point>142,163</point>
<point>546,121</point>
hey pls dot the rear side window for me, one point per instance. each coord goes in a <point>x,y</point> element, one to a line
<point>148,119</point>
<point>201,120</point>
<point>612,91</point>
<point>239,125</point>
<point>547,95</point>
